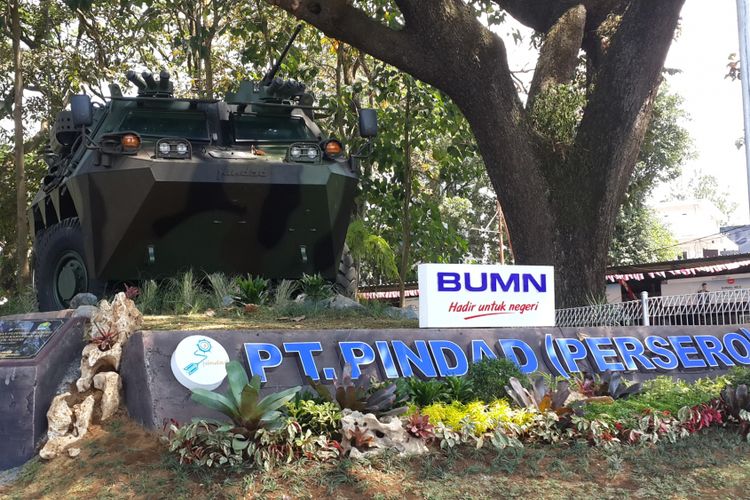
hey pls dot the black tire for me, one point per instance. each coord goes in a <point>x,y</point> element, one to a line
<point>60,268</point>
<point>346,278</point>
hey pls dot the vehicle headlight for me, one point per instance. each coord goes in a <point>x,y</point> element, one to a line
<point>304,152</point>
<point>173,148</point>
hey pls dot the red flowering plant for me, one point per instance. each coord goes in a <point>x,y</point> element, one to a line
<point>420,426</point>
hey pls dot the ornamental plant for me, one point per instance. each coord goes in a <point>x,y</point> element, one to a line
<point>542,397</point>
<point>382,400</point>
<point>252,290</point>
<point>489,377</point>
<point>243,404</point>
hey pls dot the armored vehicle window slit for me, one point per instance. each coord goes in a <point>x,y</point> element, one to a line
<point>251,128</point>
<point>191,125</point>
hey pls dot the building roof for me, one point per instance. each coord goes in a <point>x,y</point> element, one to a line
<point>705,266</point>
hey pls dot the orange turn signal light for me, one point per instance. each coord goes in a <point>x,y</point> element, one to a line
<point>333,148</point>
<point>130,141</point>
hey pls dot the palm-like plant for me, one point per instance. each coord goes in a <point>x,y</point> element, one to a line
<point>243,404</point>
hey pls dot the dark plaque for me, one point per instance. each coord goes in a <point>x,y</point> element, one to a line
<point>21,339</point>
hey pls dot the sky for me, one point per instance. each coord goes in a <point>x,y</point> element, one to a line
<point>708,35</point>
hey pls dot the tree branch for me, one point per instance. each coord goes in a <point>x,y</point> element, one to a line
<point>558,56</point>
<point>619,109</point>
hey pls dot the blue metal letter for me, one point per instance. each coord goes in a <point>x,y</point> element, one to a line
<point>259,364</point>
<point>631,350</point>
<point>656,345</point>
<point>509,347</point>
<point>386,359</point>
<point>305,352</point>
<point>365,357</point>
<point>420,359</point>
<point>712,350</point>
<point>438,348</point>
<point>729,345</point>
<point>684,351</point>
<point>572,350</point>
<point>600,348</point>
<point>480,350</point>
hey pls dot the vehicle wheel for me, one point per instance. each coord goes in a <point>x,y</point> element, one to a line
<point>346,278</point>
<point>60,269</point>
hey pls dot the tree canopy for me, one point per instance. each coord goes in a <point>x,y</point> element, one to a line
<point>560,191</point>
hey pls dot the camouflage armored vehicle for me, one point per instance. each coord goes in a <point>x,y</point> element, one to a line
<point>149,186</point>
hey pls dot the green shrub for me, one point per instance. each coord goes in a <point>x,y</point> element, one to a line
<point>662,394</point>
<point>253,290</point>
<point>315,287</point>
<point>320,418</point>
<point>489,377</point>
<point>739,375</point>
<point>423,392</point>
<point>458,389</point>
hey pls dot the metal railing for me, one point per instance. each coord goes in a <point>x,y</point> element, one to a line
<point>730,307</point>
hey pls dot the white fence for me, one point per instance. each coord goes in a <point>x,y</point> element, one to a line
<point>730,307</point>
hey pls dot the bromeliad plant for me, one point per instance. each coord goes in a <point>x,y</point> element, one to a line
<point>382,401</point>
<point>609,384</point>
<point>243,404</point>
<point>542,398</point>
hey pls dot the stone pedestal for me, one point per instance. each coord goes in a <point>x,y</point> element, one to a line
<point>28,381</point>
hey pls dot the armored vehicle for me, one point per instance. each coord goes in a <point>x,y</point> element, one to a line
<point>146,187</point>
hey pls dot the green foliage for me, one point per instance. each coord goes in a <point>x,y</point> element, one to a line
<point>252,290</point>
<point>556,114</point>
<point>185,294</point>
<point>662,394</point>
<point>458,389</point>
<point>739,375</point>
<point>381,400</point>
<point>207,444</point>
<point>283,293</point>
<point>151,297</point>
<point>423,392</point>
<point>490,376</point>
<point>372,249</point>
<point>315,287</point>
<point>19,303</point>
<point>243,404</point>
<point>221,287</point>
<point>319,418</point>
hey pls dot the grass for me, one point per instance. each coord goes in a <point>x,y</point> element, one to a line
<point>121,460</point>
<point>293,316</point>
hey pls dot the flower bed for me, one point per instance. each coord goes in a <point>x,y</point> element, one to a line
<point>358,417</point>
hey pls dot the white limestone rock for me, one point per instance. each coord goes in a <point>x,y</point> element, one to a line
<point>94,360</point>
<point>364,434</point>
<point>110,384</point>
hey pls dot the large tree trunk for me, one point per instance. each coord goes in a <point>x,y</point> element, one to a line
<point>560,204</point>
<point>22,235</point>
